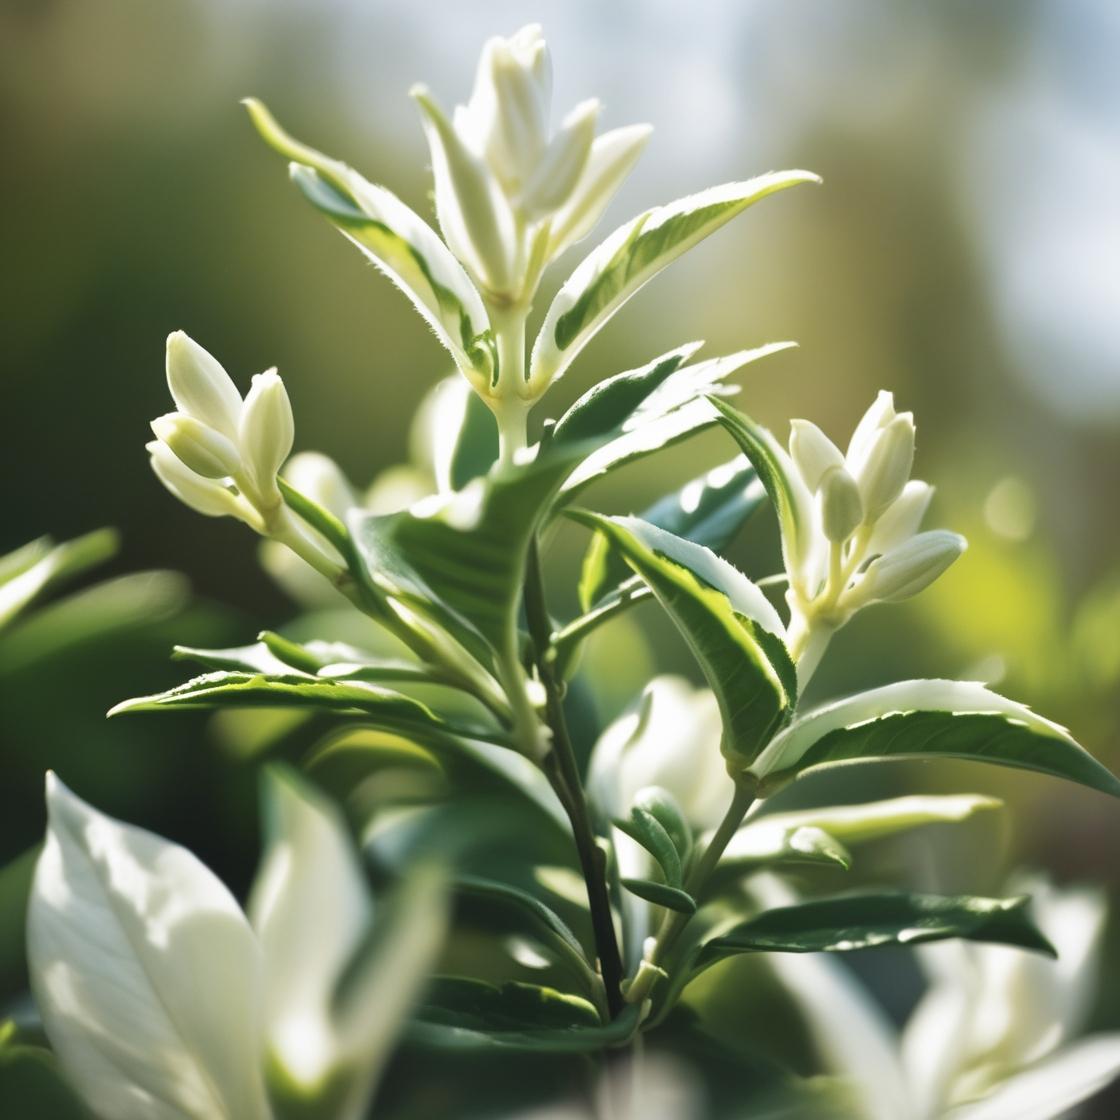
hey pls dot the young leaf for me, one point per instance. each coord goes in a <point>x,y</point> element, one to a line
<point>787,491</point>
<point>399,242</point>
<point>661,894</point>
<point>731,627</point>
<point>709,510</point>
<point>647,831</point>
<point>676,409</point>
<point>630,257</point>
<point>866,921</point>
<point>464,1002</point>
<point>763,844</point>
<point>929,719</point>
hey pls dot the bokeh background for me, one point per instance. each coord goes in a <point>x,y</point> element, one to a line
<point>963,252</point>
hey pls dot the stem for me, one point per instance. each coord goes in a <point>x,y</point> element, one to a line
<point>562,771</point>
<point>510,408</point>
<point>701,870</point>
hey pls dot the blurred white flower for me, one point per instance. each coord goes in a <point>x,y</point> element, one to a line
<point>858,514</point>
<point>994,1036</point>
<point>163,1002</point>
<point>511,194</point>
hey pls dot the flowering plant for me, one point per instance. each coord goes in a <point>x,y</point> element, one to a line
<point>601,873</point>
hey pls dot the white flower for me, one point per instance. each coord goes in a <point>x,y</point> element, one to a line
<point>511,194</point>
<point>669,740</point>
<point>162,1002</point>
<point>994,1036</point>
<point>858,515</point>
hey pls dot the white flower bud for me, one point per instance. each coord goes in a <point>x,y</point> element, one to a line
<point>610,160</point>
<point>901,519</point>
<point>878,416</point>
<point>203,495</point>
<point>204,450</point>
<point>474,218</point>
<point>510,105</point>
<point>813,452</point>
<point>562,164</point>
<point>267,431</point>
<point>887,467</point>
<point>200,386</point>
<point>909,568</point>
<point>841,508</point>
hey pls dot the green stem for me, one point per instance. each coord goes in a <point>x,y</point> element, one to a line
<point>563,773</point>
<point>701,870</point>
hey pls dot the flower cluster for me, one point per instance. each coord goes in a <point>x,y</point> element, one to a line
<point>511,195</point>
<point>860,516</point>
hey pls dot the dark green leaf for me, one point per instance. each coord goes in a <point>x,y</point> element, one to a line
<point>661,894</point>
<point>647,831</point>
<point>462,1002</point>
<point>865,921</point>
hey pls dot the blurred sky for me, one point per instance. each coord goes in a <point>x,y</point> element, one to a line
<point>964,252</point>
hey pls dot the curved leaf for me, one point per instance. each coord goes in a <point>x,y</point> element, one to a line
<point>730,626</point>
<point>399,242</point>
<point>661,894</point>
<point>867,921</point>
<point>767,841</point>
<point>633,255</point>
<point>929,719</point>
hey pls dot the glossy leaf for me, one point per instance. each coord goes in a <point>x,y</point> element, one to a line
<point>633,255</point>
<point>464,1002</point>
<point>661,894</point>
<point>647,831</point>
<point>709,510</point>
<point>867,921</point>
<point>731,628</point>
<point>769,842</point>
<point>929,719</point>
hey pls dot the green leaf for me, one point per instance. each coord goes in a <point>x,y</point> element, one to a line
<point>15,886</point>
<point>611,403</point>
<point>787,491</point>
<point>565,1040</point>
<point>32,1084</point>
<point>228,689</point>
<point>661,894</point>
<point>676,409</point>
<point>502,908</point>
<point>768,841</point>
<point>460,1001</point>
<point>399,242</point>
<point>709,510</point>
<point>469,445</point>
<point>730,626</point>
<point>872,820</point>
<point>633,255</point>
<point>30,571</point>
<point>866,921</point>
<point>647,831</point>
<point>928,719</point>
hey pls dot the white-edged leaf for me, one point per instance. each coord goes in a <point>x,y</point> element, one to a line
<point>399,242</point>
<point>633,255</point>
<point>929,719</point>
<point>145,971</point>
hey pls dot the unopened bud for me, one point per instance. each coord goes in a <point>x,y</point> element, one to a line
<point>911,567</point>
<point>813,452</point>
<point>474,219</point>
<point>514,109</point>
<point>267,431</point>
<point>558,171</point>
<point>200,386</point>
<point>878,416</point>
<point>841,508</point>
<point>901,519</point>
<point>203,495</point>
<point>888,464</point>
<point>206,452</point>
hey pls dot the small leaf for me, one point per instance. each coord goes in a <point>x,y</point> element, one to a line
<point>866,921</point>
<point>630,257</point>
<point>647,831</point>
<point>730,626</point>
<point>661,894</point>
<point>929,719</point>
<point>764,844</point>
<point>464,1002</point>
<point>709,510</point>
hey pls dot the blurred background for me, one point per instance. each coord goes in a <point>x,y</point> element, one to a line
<point>963,252</point>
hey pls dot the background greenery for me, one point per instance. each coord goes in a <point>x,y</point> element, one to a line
<point>961,253</point>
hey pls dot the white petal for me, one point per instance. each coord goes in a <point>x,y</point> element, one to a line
<point>879,415</point>
<point>200,386</point>
<point>267,431</point>
<point>145,971</point>
<point>203,495</point>
<point>902,519</point>
<point>559,169</point>
<point>1054,1086</point>
<point>311,909</point>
